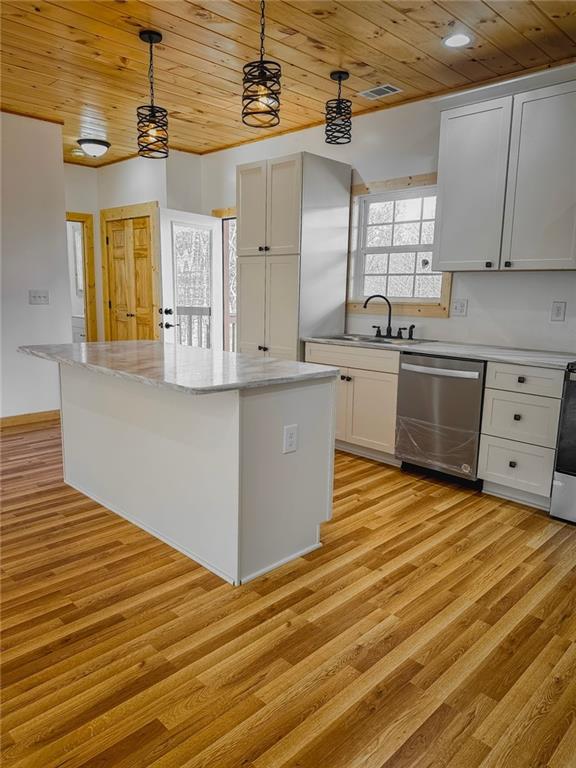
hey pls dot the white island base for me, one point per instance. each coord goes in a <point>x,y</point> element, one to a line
<point>205,473</point>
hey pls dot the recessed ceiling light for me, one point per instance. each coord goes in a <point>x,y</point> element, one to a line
<point>457,40</point>
<point>94,147</point>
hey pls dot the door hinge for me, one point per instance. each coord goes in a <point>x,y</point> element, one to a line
<point>109,304</point>
<point>107,240</point>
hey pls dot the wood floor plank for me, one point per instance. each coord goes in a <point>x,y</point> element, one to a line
<point>435,627</point>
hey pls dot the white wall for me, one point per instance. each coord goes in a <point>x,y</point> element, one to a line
<point>138,180</point>
<point>33,256</point>
<point>509,309</point>
<point>184,182</point>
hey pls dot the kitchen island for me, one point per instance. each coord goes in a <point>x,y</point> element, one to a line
<point>227,458</point>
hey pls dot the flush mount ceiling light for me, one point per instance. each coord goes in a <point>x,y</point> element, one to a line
<point>152,120</point>
<point>338,114</point>
<point>457,40</point>
<point>261,87</point>
<point>94,147</point>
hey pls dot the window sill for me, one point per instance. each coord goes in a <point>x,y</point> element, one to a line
<point>440,308</point>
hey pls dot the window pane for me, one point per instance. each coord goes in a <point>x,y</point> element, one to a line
<point>429,208</point>
<point>408,210</point>
<point>428,286</point>
<point>400,286</point>
<point>379,236</point>
<point>380,213</point>
<point>402,262</point>
<point>427,232</point>
<point>406,234</point>
<point>374,285</point>
<point>376,263</point>
<point>424,263</point>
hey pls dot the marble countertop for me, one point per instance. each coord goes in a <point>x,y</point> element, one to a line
<point>543,359</point>
<point>172,366</point>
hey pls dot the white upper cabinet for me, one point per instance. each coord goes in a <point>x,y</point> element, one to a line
<point>269,206</point>
<point>251,208</point>
<point>507,183</point>
<point>540,220</point>
<point>471,185</point>
<point>284,205</point>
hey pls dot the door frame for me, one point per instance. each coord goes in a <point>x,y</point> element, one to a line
<point>90,312</point>
<point>138,210</point>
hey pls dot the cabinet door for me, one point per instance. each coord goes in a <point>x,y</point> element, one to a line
<point>251,208</point>
<point>282,306</point>
<point>540,221</point>
<point>342,388</point>
<point>284,204</point>
<point>371,411</point>
<point>251,303</point>
<point>472,163</point>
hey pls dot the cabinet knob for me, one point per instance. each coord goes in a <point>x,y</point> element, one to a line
<point>507,263</point>
<point>262,349</point>
<point>260,247</point>
<point>266,247</point>
<point>342,378</point>
<point>348,378</point>
<point>512,464</point>
<point>521,379</point>
<point>517,417</point>
<point>488,264</point>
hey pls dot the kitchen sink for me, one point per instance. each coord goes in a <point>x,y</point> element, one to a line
<point>361,339</point>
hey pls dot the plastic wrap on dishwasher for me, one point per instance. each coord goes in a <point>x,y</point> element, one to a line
<point>446,449</point>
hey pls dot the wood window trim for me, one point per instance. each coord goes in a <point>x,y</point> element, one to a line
<point>151,210</point>
<point>224,213</point>
<point>410,308</point>
<point>87,221</point>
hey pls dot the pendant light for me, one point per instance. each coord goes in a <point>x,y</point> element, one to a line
<point>152,120</point>
<point>339,114</point>
<point>261,83</point>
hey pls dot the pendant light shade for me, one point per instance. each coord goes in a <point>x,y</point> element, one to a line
<point>338,114</point>
<point>152,121</point>
<point>261,87</point>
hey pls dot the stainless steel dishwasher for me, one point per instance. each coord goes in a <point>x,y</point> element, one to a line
<point>439,412</point>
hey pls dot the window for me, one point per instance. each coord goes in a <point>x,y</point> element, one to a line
<point>229,256</point>
<point>395,243</point>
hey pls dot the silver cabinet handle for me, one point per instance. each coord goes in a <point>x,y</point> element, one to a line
<point>440,371</point>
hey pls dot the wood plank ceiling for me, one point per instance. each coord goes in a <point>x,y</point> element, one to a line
<point>80,62</point>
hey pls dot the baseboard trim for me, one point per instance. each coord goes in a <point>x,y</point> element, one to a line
<point>29,418</point>
<point>514,494</point>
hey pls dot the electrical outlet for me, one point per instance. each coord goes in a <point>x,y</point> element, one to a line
<point>459,308</point>
<point>290,444</point>
<point>37,296</point>
<point>558,314</point>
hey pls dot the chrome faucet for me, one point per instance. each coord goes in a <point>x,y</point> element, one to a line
<point>388,334</point>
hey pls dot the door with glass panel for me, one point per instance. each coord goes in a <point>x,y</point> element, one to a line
<point>191,311</point>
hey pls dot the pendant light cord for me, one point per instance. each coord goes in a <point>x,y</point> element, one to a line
<point>262,27</point>
<point>339,88</point>
<point>151,74</point>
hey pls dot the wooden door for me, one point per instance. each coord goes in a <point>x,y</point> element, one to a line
<point>251,208</point>
<point>371,409</point>
<point>130,279</point>
<point>472,163</point>
<point>251,303</point>
<point>284,205</point>
<point>540,221</point>
<point>282,290</point>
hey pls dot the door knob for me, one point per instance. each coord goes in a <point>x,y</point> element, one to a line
<point>168,311</point>
<point>171,325</point>
<point>130,314</point>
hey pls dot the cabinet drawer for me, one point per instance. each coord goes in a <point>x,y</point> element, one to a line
<point>384,360</point>
<point>526,418</point>
<point>516,465</point>
<point>525,378</point>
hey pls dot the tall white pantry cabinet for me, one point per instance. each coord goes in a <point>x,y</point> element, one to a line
<point>507,183</point>
<point>292,246</point>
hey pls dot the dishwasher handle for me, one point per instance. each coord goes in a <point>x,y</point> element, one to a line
<point>449,373</point>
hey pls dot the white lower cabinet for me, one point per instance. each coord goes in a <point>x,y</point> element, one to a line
<point>366,399</point>
<point>519,429</point>
<point>526,467</point>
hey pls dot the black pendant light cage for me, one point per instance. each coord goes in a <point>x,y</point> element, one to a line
<point>261,87</point>
<point>338,114</point>
<point>152,120</point>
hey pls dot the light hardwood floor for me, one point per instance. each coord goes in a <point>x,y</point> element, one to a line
<point>436,627</point>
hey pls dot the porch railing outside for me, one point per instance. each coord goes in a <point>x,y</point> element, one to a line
<point>194,329</point>
<point>232,333</point>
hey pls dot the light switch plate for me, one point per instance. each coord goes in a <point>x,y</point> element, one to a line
<point>38,296</point>
<point>459,308</point>
<point>558,314</point>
